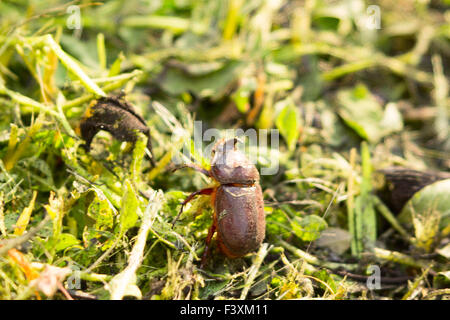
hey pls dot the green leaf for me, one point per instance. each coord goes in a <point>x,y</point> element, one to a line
<point>100,210</point>
<point>429,212</point>
<point>138,156</point>
<point>130,206</point>
<point>114,70</point>
<point>442,279</point>
<point>325,276</point>
<point>309,227</point>
<point>363,113</point>
<point>214,84</point>
<point>364,230</point>
<point>277,224</point>
<point>64,241</point>
<point>288,122</point>
<point>365,224</point>
<point>98,239</point>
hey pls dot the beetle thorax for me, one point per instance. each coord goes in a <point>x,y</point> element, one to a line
<point>230,165</point>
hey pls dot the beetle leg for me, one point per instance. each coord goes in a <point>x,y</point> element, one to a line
<point>206,191</point>
<point>194,166</point>
<point>211,232</point>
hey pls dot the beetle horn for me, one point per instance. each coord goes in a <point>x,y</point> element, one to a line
<point>236,140</point>
<point>231,143</point>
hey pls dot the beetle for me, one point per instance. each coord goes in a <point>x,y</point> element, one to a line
<point>237,199</point>
<point>116,116</point>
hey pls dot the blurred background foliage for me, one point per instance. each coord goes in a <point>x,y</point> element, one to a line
<point>347,97</point>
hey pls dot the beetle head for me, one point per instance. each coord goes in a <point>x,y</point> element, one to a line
<point>230,165</point>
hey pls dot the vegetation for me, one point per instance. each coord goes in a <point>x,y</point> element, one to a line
<point>349,99</point>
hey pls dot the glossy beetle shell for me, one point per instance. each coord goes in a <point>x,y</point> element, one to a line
<point>240,219</point>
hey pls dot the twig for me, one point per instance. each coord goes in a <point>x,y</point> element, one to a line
<point>123,78</point>
<point>121,282</point>
<point>254,269</point>
<point>64,291</point>
<point>363,278</point>
<point>400,258</point>
<point>73,66</point>
<point>102,257</point>
<point>386,213</point>
<point>6,245</point>
<point>416,283</point>
<point>314,260</point>
<point>438,292</point>
<point>81,295</point>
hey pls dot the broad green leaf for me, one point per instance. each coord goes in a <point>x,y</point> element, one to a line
<point>277,224</point>
<point>64,241</point>
<point>364,114</point>
<point>288,122</point>
<point>213,84</point>
<point>429,212</point>
<point>308,228</point>
<point>335,131</point>
<point>442,278</point>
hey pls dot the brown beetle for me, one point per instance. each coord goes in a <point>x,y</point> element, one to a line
<point>237,201</point>
<point>116,116</point>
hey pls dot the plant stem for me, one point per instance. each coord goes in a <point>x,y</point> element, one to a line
<point>121,282</point>
<point>253,271</point>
